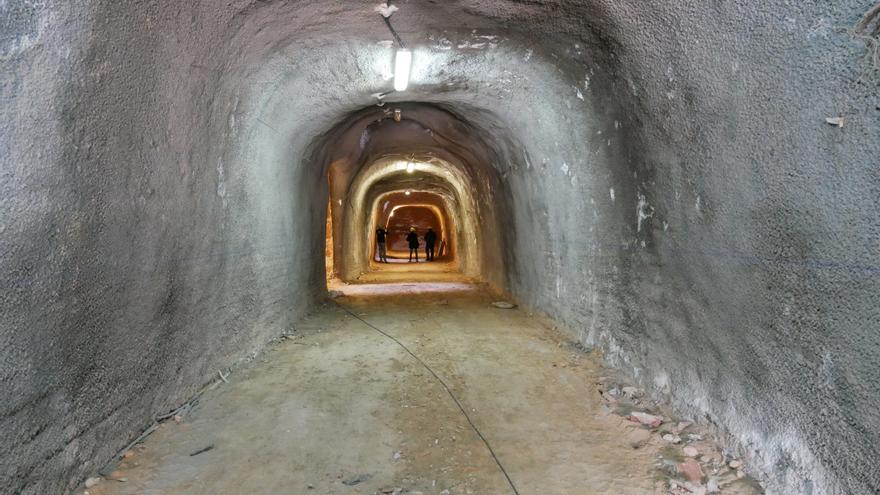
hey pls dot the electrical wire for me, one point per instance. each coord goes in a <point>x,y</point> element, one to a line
<point>393,32</point>
<point>390,27</point>
<point>445,387</point>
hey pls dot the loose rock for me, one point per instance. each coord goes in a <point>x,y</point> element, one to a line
<point>90,482</point>
<point>838,121</point>
<point>357,479</point>
<point>695,488</point>
<point>712,486</point>
<point>632,392</point>
<point>691,470</point>
<point>690,451</point>
<point>646,419</point>
<point>671,438</point>
<point>680,427</point>
<point>503,305</point>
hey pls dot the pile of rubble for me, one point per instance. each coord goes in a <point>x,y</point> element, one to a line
<point>689,460</point>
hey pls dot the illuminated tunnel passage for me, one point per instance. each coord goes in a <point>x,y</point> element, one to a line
<point>432,153</point>
<point>401,211</point>
<point>687,188</point>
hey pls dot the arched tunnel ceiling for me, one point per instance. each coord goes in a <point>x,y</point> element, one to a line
<point>663,171</point>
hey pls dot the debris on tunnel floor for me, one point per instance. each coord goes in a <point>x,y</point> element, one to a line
<point>334,406</point>
<point>690,459</point>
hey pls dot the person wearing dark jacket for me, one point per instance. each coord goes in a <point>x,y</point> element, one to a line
<point>430,240</point>
<point>413,239</point>
<point>380,245</point>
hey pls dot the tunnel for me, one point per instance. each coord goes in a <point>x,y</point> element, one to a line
<point>685,191</point>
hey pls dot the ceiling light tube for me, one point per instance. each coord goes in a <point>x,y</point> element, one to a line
<point>402,65</point>
<point>410,167</point>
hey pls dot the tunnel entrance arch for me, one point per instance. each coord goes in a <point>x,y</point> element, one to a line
<point>366,156</point>
<point>397,211</point>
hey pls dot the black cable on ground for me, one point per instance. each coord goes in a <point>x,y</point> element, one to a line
<point>445,386</point>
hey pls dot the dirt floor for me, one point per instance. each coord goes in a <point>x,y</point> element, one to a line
<point>339,408</point>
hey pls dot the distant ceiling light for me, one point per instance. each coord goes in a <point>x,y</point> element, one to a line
<point>397,115</point>
<point>402,64</point>
<point>408,193</point>
<point>410,167</point>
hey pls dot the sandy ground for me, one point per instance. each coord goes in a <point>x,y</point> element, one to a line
<point>340,408</point>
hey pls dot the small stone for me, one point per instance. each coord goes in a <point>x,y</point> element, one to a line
<point>740,474</point>
<point>395,456</point>
<point>631,392</point>
<point>681,426</point>
<point>645,419</point>
<point>695,488</point>
<point>503,305</point>
<point>690,451</point>
<point>128,455</point>
<point>310,486</point>
<point>178,418</point>
<point>712,486</point>
<point>357,479</point>
<point>735,464</point>
<point>691,470</point>
<point>694,437</point>
<point>671,438</point>
<point>838,121</point>
<point>90,482</point>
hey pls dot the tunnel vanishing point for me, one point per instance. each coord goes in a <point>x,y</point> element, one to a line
<point>691,186</point>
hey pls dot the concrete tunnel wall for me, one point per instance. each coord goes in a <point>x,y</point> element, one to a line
<point>675,195</point>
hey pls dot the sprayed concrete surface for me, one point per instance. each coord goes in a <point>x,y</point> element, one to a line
<point>339,408</point>
<point>659,176</point>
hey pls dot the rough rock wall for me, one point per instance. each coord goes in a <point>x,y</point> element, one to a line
<point>671,189</point>
<point>731,260</point>
<point>135,263</point>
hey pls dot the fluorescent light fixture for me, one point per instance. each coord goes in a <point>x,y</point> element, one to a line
<point>410,167</point>
<point>402,65</point>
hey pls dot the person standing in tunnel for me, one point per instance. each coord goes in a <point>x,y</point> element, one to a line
<point>380,244</point>
<point>430,240</point>
<point>413,239</point>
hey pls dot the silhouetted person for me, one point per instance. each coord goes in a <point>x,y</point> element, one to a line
<point>380,244</point>
<point>413,239</point>
<point>430,240</point>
